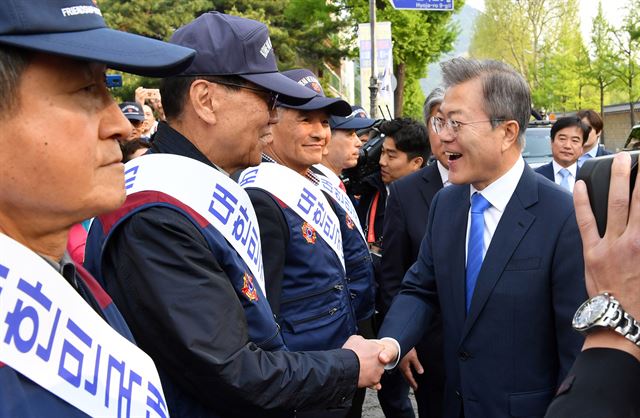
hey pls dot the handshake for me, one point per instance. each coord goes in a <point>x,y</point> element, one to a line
<point>373,356</point>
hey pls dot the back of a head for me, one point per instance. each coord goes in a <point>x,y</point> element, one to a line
<point>593,117</point>
<point>410,136</point>
<point>506,94</point>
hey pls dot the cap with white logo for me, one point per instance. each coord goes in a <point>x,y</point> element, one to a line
<point>233,45</point>
<point>76,29</point>
<point>306,78</point>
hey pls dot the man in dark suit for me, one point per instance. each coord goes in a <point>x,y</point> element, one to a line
<point>507,275</point>
<point>568,135</point>
<point>593,147</point>
<point>404,225</point>
<point>605,378</point>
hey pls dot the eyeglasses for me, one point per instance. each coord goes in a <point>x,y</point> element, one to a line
<point>273,96</point>
<point>438,124</point>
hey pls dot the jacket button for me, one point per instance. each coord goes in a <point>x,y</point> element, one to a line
<point>458,394</point>
<point>463,355</point>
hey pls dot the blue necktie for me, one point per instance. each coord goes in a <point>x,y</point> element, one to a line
<point>564,173</point>
<point>475,247</point>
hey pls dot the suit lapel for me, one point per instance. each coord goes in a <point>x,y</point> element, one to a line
<point>513,225</point>
<point>458,221</point>
<point>433,183</point>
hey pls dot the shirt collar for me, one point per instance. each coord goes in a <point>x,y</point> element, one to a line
<point>309,175</point>
<point>444,174</point>
<point>168,140</point>
<point>594,151</point>
<point>499,192</point>
<point>573,168</point>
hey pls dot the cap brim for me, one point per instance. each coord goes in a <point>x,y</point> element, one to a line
<point>334,106</point>
<point>289,91</point>
<point>118,50</point>
<point>354,123</point>
<point>134,117</point>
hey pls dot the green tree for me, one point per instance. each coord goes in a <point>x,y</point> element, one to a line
<point>627,45</point>
<point>419,38</point>
<point>541,39</point>
<point>604,60</point>
<point>152,18</point>
<point>304,33</point>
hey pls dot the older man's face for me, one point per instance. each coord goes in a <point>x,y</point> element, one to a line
<point>64,165</point>
<point>475,150</point>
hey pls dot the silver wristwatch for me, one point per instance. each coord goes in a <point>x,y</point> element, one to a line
<point>605,311</point>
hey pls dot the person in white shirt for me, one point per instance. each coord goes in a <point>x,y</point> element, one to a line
<point>568,136</point>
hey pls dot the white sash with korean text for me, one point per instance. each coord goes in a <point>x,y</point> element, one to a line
<point>214,196</point>
<point>331,185</point>
<point>302,196</point>
<point>52,336</point>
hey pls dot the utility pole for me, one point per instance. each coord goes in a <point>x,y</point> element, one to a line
<point>373,82</point>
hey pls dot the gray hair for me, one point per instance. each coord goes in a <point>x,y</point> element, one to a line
<point>434,98</point>
<point>13,62</point>
<point>505,92</point>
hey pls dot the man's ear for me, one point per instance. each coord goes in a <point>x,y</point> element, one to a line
<point>416,163</point>
<point>511,130</point>
<point>205,98</point>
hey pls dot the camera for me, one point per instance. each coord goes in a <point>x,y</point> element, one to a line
<point>596,173</point>
<point>368,162</point>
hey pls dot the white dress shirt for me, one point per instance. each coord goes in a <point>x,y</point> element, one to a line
<point>498,194</point>
<point>444,174</point>
<point>573,170</point>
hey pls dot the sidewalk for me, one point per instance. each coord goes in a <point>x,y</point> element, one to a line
<point>371,407</point>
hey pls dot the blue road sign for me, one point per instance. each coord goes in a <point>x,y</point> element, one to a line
<point>444,5</point>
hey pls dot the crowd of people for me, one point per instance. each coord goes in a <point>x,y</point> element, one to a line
<point>228,270</point>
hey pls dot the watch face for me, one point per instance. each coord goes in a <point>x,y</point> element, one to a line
<point>590,312</point>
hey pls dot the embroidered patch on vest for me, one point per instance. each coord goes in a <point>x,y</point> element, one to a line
<point>308,233</point>
<point>248,288</point>
<point>349,221</point>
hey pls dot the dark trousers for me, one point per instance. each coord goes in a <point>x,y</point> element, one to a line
<point>394,396</point>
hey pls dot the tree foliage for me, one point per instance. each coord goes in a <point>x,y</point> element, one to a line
<point>419,39</point>
<point>543,42</point>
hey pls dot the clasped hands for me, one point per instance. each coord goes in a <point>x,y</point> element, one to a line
<point>373,356</point>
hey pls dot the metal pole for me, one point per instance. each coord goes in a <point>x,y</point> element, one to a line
<point>373,82</point>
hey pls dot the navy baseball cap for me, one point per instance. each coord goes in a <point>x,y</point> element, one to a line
<point>309,80</point>
<point>358,119</point>
<point>233,45</point>
<point>132,110</point>
<point>76,29</point>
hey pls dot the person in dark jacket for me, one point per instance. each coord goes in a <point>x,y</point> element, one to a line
<point>605,378</point>
<point>405,223</point>
<point>186,275</point>
<point>62,167</point>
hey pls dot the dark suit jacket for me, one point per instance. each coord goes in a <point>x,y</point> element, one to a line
<point>602,383</point>
<point>405,222</point>
<point>506,357</point>
<point>404,225</point>
<point>547,171</point>
<point>602,151</point>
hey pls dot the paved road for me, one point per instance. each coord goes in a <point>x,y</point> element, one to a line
<point>371,407</point>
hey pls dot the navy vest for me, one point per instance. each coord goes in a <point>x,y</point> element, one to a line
<point>315,304</point>
<point>262,328</point>
<point>359,266</point>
